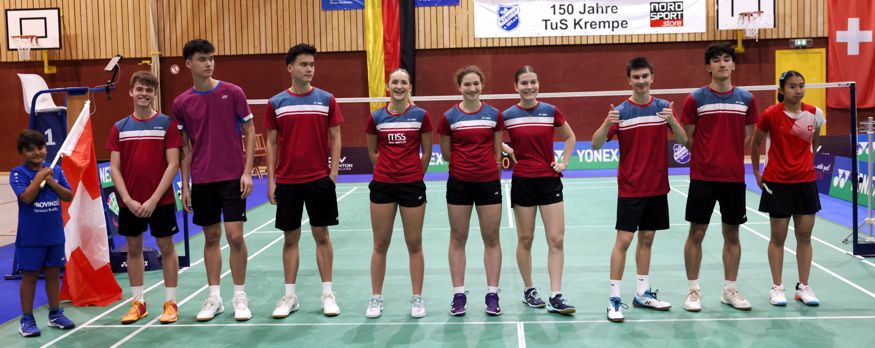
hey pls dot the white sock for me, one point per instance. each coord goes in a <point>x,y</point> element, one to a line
<point>459,289</point>
<point>238,288</point>
<point>417,295</point>
<point>778,286</point>
<point>643,283</point>
<point>729,285</point>
<point>171,294</point>
<point>615,288</point>
<point>214,290</point>
<point>529,288</point>
<point>377,296</point>
<point>137,293</point>
<point>694,284</point>
<point>491,289</point>
<point>290,289</point>
<point>326,288</point>
<point>554,293</point>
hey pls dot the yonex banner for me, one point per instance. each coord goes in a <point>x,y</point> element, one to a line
<point>527,18</point>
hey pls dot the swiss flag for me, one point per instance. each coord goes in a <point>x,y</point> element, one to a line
<point>88,279</point>
<point>851,51</point>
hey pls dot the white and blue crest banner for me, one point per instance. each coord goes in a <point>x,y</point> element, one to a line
<point>531,18</point>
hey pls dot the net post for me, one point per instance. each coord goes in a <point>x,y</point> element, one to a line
<point>854,170</point>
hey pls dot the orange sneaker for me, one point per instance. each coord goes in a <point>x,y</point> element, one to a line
<point>171,313</point>
<point>137,312</point>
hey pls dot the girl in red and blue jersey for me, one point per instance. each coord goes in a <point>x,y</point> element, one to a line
<point>471,141</point>
<point>396,135</point>
<point>536,184</point>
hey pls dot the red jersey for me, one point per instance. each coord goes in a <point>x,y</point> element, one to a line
<point>791,158</point>
<point>531,133</point>
<point>302,122</point>
<point>643,170</point>
<point>472,139</point>
<point>142,146</point>
<point>399,143</point>
<point>718,141</point>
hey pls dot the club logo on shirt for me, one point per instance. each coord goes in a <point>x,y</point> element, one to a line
<point>397,138</point>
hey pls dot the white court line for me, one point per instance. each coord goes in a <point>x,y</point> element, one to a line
<point>517,323</point>
<point>510,216</point>
<point>225,274</point>
<point>87,323</point>
<point>843,279</point>
<point>521,334</point>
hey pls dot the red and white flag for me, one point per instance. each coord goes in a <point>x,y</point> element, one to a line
<point>851,51</point>
<point>88,279</point>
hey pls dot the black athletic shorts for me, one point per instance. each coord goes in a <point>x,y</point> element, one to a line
<point>161,224</point>
<point>530,192</point>
<point>408,194</point>
<point>469,193</point>
<point>790,199</point>
<point>642,213</point>
<point>703,195</point>
<point>215,201</point>
<point>319,196</point>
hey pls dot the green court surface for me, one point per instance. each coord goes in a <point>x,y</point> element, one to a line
<point>843,283</point>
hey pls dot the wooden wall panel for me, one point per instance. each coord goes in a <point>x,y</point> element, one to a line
<point>98,29</point>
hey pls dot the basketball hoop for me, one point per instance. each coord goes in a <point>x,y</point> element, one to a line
<point>750,22</point>
<point>23,44</point>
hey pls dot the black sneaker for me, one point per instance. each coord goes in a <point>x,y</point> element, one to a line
<point>532,299</point>
<point>557,305</point>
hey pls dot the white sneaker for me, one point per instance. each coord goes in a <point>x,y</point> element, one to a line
<point>649,300</point>
<point>777,297</point>
<point>241,306</point>
<point>417,307</point>
<point>212,306</point>
<point>615,313</point>
<point>285,306</point>
<point>805,294</point>
<point>693,300</point>
<point>329,305</point>
<point>734,298</point>
<point>375,307</point>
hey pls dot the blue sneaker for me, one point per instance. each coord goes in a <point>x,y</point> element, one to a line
<point>557,305</point>
<point>492,307</point>
<point>27,327</point>
<point>648,300</point>
<point>532,299</point>
<point>460,301</point>
<point>59,320</point>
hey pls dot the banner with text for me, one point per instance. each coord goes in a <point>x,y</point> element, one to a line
<point>528,18</point>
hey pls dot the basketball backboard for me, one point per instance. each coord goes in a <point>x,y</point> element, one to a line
<point>44,23</point>
<point>728,13</point>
